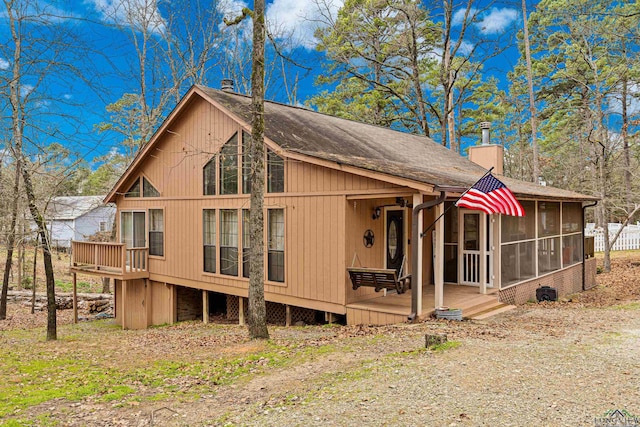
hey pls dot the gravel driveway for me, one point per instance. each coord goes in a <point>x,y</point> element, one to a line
<point>529,367</point>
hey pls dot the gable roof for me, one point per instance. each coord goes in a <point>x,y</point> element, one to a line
<point>72,207</point>
<point>305,132</point>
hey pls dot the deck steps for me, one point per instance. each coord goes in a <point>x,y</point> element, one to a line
<point>486,312</point>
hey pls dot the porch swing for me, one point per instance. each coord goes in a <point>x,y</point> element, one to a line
<point>380,278</point>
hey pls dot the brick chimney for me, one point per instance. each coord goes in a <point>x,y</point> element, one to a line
<point>488,155</point>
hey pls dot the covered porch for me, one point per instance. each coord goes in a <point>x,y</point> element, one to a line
<point>448,251</point>
<point>396,308</point>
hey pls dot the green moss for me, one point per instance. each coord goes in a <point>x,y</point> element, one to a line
<point>629,306</point>
<point>449,345</point>
<point>63,286</point>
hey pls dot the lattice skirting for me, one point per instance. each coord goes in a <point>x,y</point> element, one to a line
<point>276,313</point>
<point>567,281</point>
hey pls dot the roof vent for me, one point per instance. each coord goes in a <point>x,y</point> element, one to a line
<point>226,85</point>
<point>486,138</point>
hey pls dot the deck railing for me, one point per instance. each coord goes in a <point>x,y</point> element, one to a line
<point>109,257</point>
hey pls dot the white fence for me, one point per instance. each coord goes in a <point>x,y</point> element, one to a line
<point>628,239</point>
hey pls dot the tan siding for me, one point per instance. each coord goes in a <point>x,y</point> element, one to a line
<point>322,230</point>
<point>134,304</point>
<point>359,219</point>
<point>161,303</point>
<point>118,301</point>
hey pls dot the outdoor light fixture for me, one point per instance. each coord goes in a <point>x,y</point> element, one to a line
<point>376,212</point>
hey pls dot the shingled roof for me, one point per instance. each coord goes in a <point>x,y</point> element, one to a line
<point>370,147</point>
<point>298,130</point>
<point>72,207</point>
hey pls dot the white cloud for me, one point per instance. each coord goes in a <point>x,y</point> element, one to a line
<point>140,14</point>
<point>465,48</point>
<point>299,18</point>
<point>4,64</point>
<point>458,16</point>
<point>497,20</point>
<point>26,90</point>
<point>67,96</point>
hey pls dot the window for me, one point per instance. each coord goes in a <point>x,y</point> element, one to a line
<point>229,166</point>
<point>134,190</point>
<point>518,245</point>
<point>156,232</point>
<point>246,163</point>
<point>103,226</point>
<point>209,239</point>
<point>275,173</point>
<point>209,178</point>
<point>558,242</point>
<point>149,190</point>
<point>132,229</point>
<point>548,229</point>
<point>571,218</point>
<point>246,248</point>
<point>275,262</point>
<point>229,242</point>
<point>572,238</point>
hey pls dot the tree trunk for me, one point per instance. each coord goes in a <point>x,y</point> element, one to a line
<point>106,288</point>
<point>257,322</point>
<point>46,251</point>
<point>33,284</point>
<point>532,103</point>
<point>20,266</point>
<point>453,143</point>
<point>11,238</point>
<point>624,134</point>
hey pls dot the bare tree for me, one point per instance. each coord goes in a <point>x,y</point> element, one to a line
<point>257,323</point>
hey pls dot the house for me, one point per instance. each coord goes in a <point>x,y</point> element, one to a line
<point>346,204</point>
<point>78,218</point>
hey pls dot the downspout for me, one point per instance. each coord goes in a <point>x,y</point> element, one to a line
<point>584,267</point>
<point>416,239</point>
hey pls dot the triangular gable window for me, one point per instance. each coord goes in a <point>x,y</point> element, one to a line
<point>209,178</point>
<point>134,190</point>
<point>229,166</point>
<point>149,190</point>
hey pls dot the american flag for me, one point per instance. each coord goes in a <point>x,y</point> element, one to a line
<point>490,195</point>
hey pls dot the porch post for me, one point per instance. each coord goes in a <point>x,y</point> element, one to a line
<point>496,278</point>
<point>484,235</point>
<point>416,261</point>
<point>75,298</point>
<point>438,268</point>
<point>416,276</point>
<point>205,306</point>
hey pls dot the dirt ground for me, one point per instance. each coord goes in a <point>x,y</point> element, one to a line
<point>554,364</point>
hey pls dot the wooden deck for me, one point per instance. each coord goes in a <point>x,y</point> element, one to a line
<point>394,308</point>
<point>108,259</point>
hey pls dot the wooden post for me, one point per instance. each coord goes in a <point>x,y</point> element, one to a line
<point>75,298</point>
<point>205,306</point>
<point>287,315</point>
<point>416,276</point>
<point>484,235</point>
<point>124,304</point>
<point>439,259</point>
<point>241,311</point>
<point>497,253</point>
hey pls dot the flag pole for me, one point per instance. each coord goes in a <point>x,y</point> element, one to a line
<point>447,210</point>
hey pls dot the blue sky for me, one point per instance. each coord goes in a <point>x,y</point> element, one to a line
<point>109,53</point>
